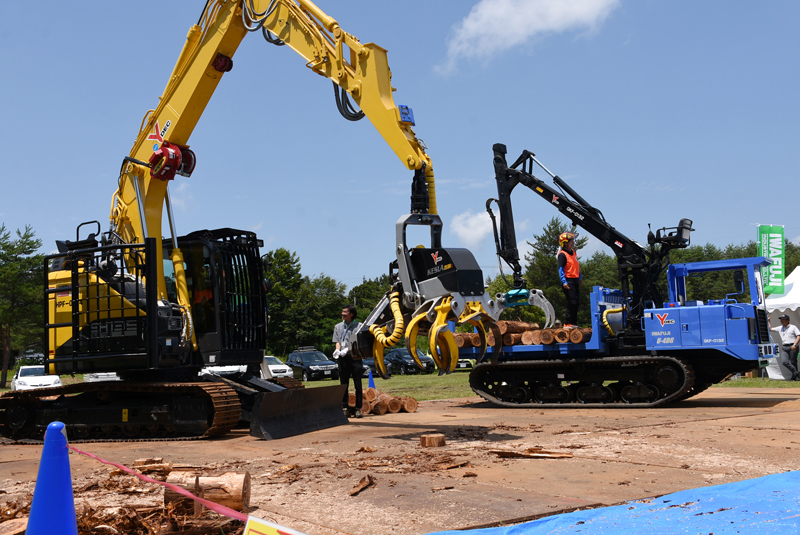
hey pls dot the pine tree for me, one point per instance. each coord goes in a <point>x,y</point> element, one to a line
<point>21,272</point>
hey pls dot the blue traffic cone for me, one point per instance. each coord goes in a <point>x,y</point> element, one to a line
<point>371,382</point>
<point>53,507</point>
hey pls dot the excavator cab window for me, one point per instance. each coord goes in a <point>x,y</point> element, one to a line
<point>169,279</point>
<point>200,283</point>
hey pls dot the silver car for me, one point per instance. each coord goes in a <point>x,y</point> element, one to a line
<point>276,368</point>
<point>30,377</point>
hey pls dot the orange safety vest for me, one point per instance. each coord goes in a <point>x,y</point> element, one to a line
<point>572,270</point>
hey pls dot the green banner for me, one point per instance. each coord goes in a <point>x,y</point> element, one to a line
<point>771,245</point>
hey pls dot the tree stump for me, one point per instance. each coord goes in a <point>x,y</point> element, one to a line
<point>547,337</point>
<point>579,336</point>
<point>435,440</point>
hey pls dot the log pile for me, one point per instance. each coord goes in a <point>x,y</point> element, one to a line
<point>379,403</point>
<point>524,333</point>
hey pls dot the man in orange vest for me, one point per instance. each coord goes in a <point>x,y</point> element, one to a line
<point>570,273</point>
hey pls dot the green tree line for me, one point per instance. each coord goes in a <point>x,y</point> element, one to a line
<point>304,309</point>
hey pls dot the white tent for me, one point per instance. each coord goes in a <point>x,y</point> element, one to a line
<point>789,304</point>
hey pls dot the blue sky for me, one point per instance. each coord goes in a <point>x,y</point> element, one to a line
<point>652,110</point>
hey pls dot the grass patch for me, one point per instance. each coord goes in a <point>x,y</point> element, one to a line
<point>456,385</point>
<point>756,382</point>
<point>422,387</point>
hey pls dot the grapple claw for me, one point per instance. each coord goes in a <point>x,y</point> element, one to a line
<point>444,347</point>
<point>536,298</point>
<point>481,335</point>
<point>477,317</point>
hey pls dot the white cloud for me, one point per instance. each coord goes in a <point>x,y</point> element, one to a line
<point>181,195</point>
<point>471,229</point>
<point>496,25</point>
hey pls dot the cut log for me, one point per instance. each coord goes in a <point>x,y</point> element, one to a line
<point>489,338</point>
<point>408,404</point>
<point>378,407</point>
<point>579,336</point>
<point>351,399</point>
<point>148,460</point>
<point>547,337</point>
<point>561,335</point>
<point>511,327</point>
<point>532,338</point>
<point>371,394</point>
<point>231,489</point>
<point>365,408</point>
<point>188,481</point>
<point>512,339</point>
<point>392,403</point>
<point>463,339</point>
<point>435,440</point>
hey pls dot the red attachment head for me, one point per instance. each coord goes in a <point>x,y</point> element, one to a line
<point>170,159</point>
<point>165,161</point>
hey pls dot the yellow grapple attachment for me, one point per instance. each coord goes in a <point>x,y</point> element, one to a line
<point>381,340</point>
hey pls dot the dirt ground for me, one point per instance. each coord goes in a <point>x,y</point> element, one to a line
<point>304,482</point>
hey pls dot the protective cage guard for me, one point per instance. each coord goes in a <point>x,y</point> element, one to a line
<point>99,295</point>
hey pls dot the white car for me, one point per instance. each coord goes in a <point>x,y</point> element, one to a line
<point>276,368</point>
<point>97,377</point>
<point>30,377</point>
<point>223,370</point>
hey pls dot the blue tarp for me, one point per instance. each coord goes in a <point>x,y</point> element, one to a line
<point>764,506</point>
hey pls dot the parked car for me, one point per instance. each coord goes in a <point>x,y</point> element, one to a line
<point>402,362</point>
<point>276,368</point>
<point>466,363</point>
<point>97,377</point>
<point>30,377</point>
<point>309,363</point>
<point>223,370</point>
<point>369,365</point>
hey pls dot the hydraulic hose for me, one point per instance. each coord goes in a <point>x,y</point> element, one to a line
<point>605,319</point>
<point>399,325</point>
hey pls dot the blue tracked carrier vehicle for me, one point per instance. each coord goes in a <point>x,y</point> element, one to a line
<point>647,349</point>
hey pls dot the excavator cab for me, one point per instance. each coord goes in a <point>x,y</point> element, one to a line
<point>227,292</point>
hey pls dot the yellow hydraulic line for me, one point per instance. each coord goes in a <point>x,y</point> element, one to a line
<point>605,319</point>
<point>399,324</point>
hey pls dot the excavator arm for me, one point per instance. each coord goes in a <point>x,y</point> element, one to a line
<point>639,267</point>
<point>359,72</point>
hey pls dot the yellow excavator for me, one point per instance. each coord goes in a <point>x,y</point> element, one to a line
<point>157,311</point>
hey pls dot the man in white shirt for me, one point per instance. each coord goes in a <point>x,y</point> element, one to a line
<point>790,341</point>
<point>349,364</point>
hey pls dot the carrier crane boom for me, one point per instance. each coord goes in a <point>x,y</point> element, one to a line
<point>639,267</point>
